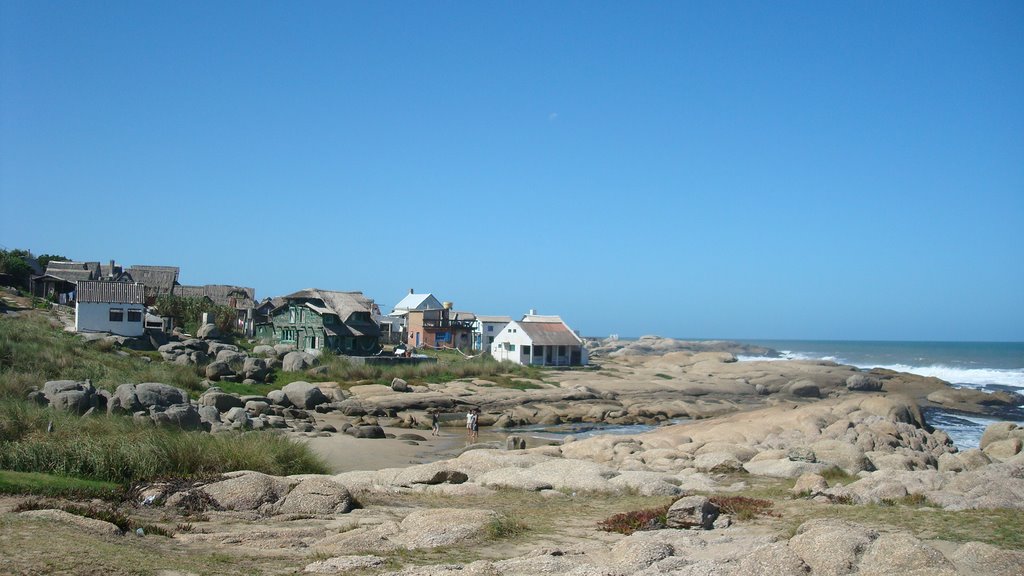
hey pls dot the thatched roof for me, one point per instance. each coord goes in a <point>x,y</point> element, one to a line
<point>73,271</point>
<point>159,280</point>
<point>343,304</point>
<point>239,297</point>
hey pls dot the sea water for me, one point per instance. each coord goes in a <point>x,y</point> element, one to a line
<point>987,366</point>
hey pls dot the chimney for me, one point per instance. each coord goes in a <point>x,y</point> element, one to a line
<point>533,312</point>
<point>411,291</point>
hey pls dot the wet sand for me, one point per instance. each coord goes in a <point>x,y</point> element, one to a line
<point>344,453</point>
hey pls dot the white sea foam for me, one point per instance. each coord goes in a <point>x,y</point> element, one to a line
<point>953,375</point>
<point>973,376</point>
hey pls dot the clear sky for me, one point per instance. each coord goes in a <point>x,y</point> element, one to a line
<point>840,170</point>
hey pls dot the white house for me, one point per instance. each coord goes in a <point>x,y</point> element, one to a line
<point>486,329</point>
<point>115,307</point>
<point>539,341</point>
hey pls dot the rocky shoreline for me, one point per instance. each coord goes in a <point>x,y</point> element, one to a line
<point>831,438</point>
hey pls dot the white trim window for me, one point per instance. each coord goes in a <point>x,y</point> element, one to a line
<point>116,315</point>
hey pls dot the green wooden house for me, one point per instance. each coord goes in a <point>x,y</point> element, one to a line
<point>315,319</point>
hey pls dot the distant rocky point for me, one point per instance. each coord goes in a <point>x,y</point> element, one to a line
<point>657,345</point>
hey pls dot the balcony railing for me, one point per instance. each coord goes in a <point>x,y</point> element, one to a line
<point>447,324</point>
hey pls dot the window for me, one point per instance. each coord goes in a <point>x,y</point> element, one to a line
<point>510,347</point>
<point>526,350</point>
<point>561,350</point>
<point>538,350</point>
<point>291,315</point>
<point>135,315</point>
<point>117,314</point>
<point>490,328</point>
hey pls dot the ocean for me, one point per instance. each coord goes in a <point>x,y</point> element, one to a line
<point>983,365</point>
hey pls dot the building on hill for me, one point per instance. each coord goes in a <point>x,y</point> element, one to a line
<point>315,319</point>
<point>440,328</point>
<point>115,307</point>
<point>397,322</point>
<point>539,341</point>
<point>486,328</point>
<point>159,280</point>
<point>241,298</point>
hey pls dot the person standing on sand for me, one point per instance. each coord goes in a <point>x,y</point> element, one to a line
<point>435,424</point>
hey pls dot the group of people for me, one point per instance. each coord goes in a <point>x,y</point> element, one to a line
<point>472,424</point>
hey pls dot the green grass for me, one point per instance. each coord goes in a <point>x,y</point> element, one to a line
<point>116,449</point>
<point>40,484</point>
<point>33,351</point>
<point>450,366</point>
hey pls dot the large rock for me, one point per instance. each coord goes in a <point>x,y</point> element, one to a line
<point>255,368</point>
<point>831,546</point>
<point>71,395</point>
<point>130,398</point>
<point>208,331</point>
<point>298,361</point>
<point>804,389</point>
<point>980,559</point>
<point>366,432</point>
<point>217,370</point>
<point>443,527</point>
<point>184,416</point>
<point>692,511</point>
<point>1000,431</point>
<point>304,395</point>
<point>90,525</point>
<point>1003,449</point>
<point>264,350</point>
<point>222,401</point>
<point>838,453</point>
<point>317,496</point>
<point>248,491</point>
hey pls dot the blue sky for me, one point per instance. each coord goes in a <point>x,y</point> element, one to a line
<point>833,170</point>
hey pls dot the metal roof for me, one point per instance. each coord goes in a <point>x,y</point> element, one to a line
<point>111,292</point>
<point>417,302</point>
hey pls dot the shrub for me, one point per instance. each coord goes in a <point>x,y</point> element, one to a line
<point>637,520</point>
<point>505,526</point>
<point>744,508</point>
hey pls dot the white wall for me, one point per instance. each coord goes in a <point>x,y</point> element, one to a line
<point>481,329</point>
<point>95,317</point>
<point>511,334</point>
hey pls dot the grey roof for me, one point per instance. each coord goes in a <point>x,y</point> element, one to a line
<point>418,302</point>
<point>550,334</point>
<point>111,292</point>
<point>344,304</point>
<point>505,319</point>
<point>240,297</point>
<point>73,271</point>
<point>158,279</point>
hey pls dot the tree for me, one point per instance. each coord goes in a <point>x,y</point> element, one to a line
<point>187,312</point>
<point>45,259</point>
<point>12,263</point>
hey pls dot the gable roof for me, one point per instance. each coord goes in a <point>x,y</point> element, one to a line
<point>550,333</point>
<point>158,279</point>
<point>111,292</point>
<point>417,302</point>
